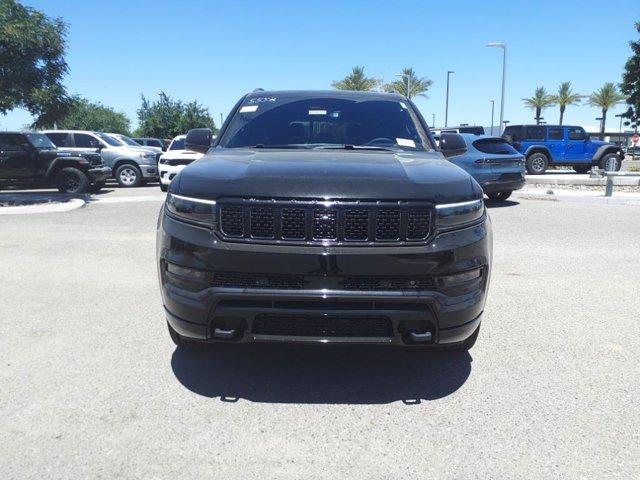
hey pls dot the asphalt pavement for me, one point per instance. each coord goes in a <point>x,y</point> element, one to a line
<point>92,387</point>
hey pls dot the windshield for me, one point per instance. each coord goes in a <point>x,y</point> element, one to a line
<point>40,140</point>
<point>177,144</point>
<point>294,122</point>
<point>128,141</point>
<point>110,140</point>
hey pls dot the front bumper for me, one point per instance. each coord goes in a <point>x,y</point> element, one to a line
<point>449,317</point>
<point>149,171</point>
<point>168,172</point>
<point>99,174</point>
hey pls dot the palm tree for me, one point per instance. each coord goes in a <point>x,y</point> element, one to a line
<point>409,84</point>
<point>605,98</point>
<point>566,97</point>
<point>540,100</point>
<point>356,80</point>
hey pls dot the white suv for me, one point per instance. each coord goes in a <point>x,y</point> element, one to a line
<point>174,160</point>
<point>129,165</point>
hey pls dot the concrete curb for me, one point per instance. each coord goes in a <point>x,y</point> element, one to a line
<point>66,206</point>
<point>602,200</point>
<point>579,180</point>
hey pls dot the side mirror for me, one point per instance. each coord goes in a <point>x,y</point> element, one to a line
<point>198,140</point>
<point>99,147</point>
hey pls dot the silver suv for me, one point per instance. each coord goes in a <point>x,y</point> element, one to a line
<point>130,165</point>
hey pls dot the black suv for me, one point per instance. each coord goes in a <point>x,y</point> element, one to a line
<point>31,159</point>
<point>323,217</point>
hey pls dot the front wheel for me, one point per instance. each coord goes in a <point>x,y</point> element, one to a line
<point>128,175</point>
<point>537,163</point>
<point>610,163</point>
<point>499,196</point>
<point>72,180</point>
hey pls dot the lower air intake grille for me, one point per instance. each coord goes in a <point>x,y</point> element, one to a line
<point>322,325</point>
<point>250,280</point>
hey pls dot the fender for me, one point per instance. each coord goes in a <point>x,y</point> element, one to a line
<point>606,149</point>
<point>80,163</point>
<point>542,148</point>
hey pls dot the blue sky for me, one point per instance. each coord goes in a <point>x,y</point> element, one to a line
<point>215,51</point>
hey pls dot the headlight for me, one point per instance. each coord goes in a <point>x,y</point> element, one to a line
<point>193,210</point>
<point>450,215</point>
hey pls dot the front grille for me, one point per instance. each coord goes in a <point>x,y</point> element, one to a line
<point>325,222</point>
<point>177,161</point>
<point>315,282</point>
<point>322,325</point>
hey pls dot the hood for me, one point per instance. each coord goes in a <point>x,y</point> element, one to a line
<point>331,174</point>
<point>181,155</point>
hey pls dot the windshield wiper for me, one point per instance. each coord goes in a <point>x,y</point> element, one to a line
<point>347,146</point>
<point>290,145</point>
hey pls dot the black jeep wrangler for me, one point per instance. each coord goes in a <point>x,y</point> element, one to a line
<point>323,217</point>
<point>32,160</point>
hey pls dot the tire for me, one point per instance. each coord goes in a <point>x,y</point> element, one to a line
<point>582,168</point>
<point>537,163</point>
<point>500,196</point>
<point>72,180</point>
<point>96,187</point>
<point>164,187</point>
<point>466,345</point>
<point>181,342</point>
<point>610,162</point>
<point>128,175</point>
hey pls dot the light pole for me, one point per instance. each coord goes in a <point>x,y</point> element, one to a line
<point>503,46</point>
<point>493,104</point>
<point>433,120</point>
<point>620,115</point>
<point>446,107</point>
<point>408,79</point>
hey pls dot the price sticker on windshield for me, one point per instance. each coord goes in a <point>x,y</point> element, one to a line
<point>248,108</point>
<point>406,142</point>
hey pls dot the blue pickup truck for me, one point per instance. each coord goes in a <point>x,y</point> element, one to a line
<point>544,145</point>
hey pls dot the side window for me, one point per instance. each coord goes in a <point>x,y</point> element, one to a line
<point>535,132</point>
<point>60,139</point>
<point>82,140</point>
<point>514,132</point>
<point>554,133</point>
<point>11,143</point>
<point>452,143</point>
<point>577,133</point>
<point>154,143</point>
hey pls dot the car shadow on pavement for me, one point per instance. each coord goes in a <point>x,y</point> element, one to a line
<point>320,375</point>
<point>499,204</point>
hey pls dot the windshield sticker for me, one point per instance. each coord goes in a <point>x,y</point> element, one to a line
<point>406,142</point>
<point>317,112</point>
<point>248,108</point>
<point>403,105</point>
<point>262,99</point>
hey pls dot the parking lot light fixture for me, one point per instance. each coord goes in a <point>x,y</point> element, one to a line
<point>503,46</point>
<point>446,106</point>
<point>408,79</point>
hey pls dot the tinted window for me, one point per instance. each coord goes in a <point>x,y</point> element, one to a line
<point>577,133</point>
<point>534,133</point>
<point>514,132</point>
<point>128,141</point>
<point>40,140</point>
<point>110,140</point>
<point>177,144</point>
<point>555,133</point>
<point>474,130</point>
<point>139,141</point>
<point>452,141</point>
<point>315,122</point>
<point>495,146</point>
<point>154,143</point>
<point>82,140</point>
<point>60,139</point>
<point>11,142</point>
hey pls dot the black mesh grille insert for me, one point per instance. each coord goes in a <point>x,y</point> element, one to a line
<point>262,222</point>
<point>356,226</point>
<point>322,325</point>
<point>387,283</point>
<point>325,224</point>
<point>250,280</point>
<point>293,223</point>
<point>231,220</point>
<point>418,224</point>
<point>388,225</point>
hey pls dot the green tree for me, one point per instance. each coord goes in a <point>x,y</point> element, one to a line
<point>85,115</point>
<point>167,117</point>
<point>630,85</point>
<point>409,84</point>
<point>32,63</point>
<point>540,100</point>
<point>356,80</point>
<point>565,97</point>
<point>605,98</point>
